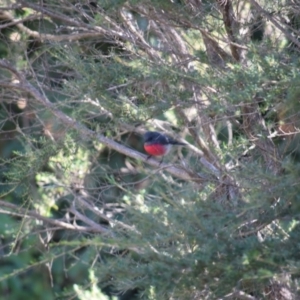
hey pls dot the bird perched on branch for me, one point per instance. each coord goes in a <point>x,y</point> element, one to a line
<point>158,144</point>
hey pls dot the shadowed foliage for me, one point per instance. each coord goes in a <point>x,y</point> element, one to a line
<point>85,214</point>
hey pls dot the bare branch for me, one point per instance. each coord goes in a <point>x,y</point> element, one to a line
<point>276,24</point>
<point>13,21</point>
<point>96,227</point>
<point>253,123</point>
<point>51,37</point>
<point>61,224</point>
<point>230,26</point>
<point>138,36</point>
<point>237,294</point>
<point>95,210</point>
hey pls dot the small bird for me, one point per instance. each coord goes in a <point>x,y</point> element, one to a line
<point>158,144</point>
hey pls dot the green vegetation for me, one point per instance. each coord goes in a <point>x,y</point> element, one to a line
<point>84,213</point>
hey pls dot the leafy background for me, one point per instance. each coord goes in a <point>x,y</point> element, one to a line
<point>84,215</point>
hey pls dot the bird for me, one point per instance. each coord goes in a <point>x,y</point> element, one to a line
<point>158,144</point>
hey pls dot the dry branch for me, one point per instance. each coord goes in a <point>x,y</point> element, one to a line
<point>270,17</point>
<point>16,210</point>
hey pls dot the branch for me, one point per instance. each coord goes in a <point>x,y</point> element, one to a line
<point>85,219</point>
<point>13,21</point>
<point>230,24</point>
<point>138,36</point>
<point>276,24</point>
<point>51,37</point>
<point>61,224</point>
<point>253,123</point>
<point>237,294</point>
<point>55,15</point>
<point>93,31</point>
<point>96,211</point>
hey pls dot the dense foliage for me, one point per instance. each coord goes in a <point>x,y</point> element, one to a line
<point>85,214</point>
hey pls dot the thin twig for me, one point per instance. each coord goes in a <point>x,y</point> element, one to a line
<point>237,294</point>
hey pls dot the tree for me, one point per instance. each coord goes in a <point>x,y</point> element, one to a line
<point>82,81</point>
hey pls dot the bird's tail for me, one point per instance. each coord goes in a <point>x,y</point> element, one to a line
<point>177,143</point>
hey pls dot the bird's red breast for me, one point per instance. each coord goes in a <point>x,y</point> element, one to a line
<point>156,149</point>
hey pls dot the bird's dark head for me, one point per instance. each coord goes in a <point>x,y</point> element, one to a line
<point>155,137</point>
